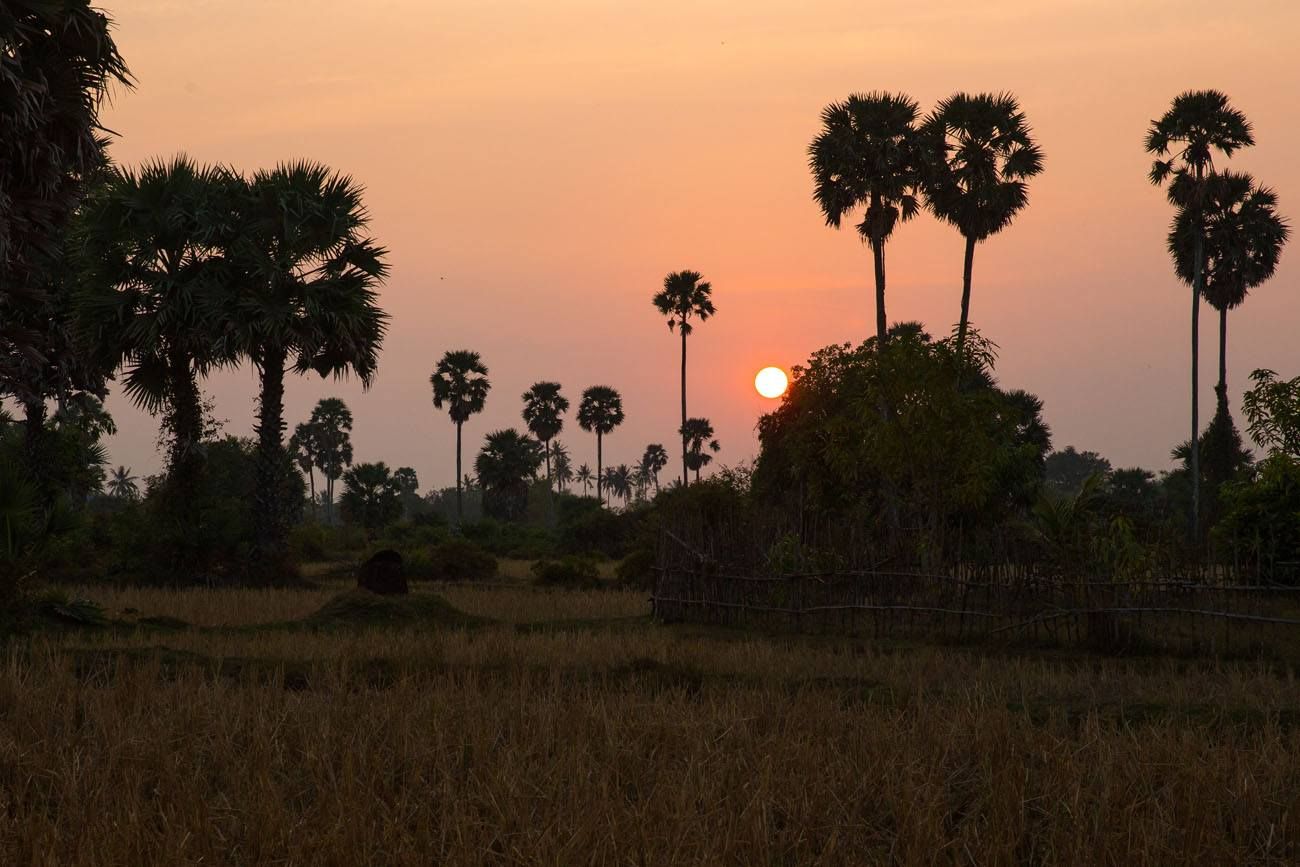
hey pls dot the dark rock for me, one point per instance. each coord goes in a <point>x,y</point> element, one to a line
<point>382,574</point>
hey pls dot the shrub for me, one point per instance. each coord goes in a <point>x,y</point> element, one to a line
<point>455,560</point>
<point>568,571</point>
<point>637,570</point>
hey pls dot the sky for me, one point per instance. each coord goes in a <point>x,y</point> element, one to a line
<point>536,168</point>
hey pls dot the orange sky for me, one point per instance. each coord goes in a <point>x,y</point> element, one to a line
<point>537,167</point>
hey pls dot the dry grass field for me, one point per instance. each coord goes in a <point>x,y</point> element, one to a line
<point>522,726</point>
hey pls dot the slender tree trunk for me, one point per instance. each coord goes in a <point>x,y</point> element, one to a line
<point>187,427</point>
<point>1222,388</point>
<point>685,478</point>
<point>460,505</point>
<point>34,444</point>
<point>272,525</point>
<point>878,259</point>
<point>546,444</point>
<point>600,477</point>
<point>964,322</point>
<point>311,487</point>
<point>1199,276</point>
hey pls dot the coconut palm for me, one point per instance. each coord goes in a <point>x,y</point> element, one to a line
<point>544,409</point>
<point>461,385</point>
<point>653,461</point>
<point>1243,236</point>
<point>618,481</point>
<point>306,302</point>
<point>601,411</point>
<point>698,432</point>
<point>1184,141</point>
<point>505,465</point>
<point>684,297</point>
<point>867,155</point>
<point>584,477</point>
<point>979,155</point>
<point>563,465</point>
<point>122,485</point>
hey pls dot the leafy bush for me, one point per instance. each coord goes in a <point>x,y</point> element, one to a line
<point>452,560</point>
<point>517,541</point>
<point>637,569</point>
<point>587,529</point>
<point>568,571</point>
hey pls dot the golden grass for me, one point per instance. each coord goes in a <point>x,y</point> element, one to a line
<point>632,744</point>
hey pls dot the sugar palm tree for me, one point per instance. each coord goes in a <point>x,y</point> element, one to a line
<point>302,449</point>
<point>563,465</point>
<point>979,155</point>
<point>684,297</point>
<point>584,477</point>
<point>867,155</point>
<point>505,465</point>
<point>698,432</point>
<point>1243,236</point>
<point>653,461</point>
<point>122,485</point>
<point>306,301</point>
<point>601,411</point>
<point>1184,140</point>
<point>461,385</point>
<point>330,429</point>
<point>544,409</point>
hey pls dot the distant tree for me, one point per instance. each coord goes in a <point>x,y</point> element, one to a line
<point>683,298</point>
<point>1184,141</point>
<point>305,300</point>
<point>544,409</point>
<point>1243,238</point>
<point>584,478</point>
<point>1065,471</point>
<point>505,465</point>
<point>868,155</point>
<point>698,434</point>
<point>618,481</point>
<point>302,448</point>
<point>371,496</point>
<point>979,156</point>
<point>563,468</point>
<point>1272,408</point>
<point>122,485</point>
<point>406,481</point>
<point>601,411</point>
<point>653,461</point>
<point>461,385</point>
<point>331,432</point>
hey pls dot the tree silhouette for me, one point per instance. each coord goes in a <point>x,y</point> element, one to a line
<point>618,481</point>
<point>653,461</point>
<point>331,438</point>
<point>122,485</point>
<point>505,465</point>
<point>1243,237</point>
<point>563,465</point>
<point>544,409</point>
<point>584,477</point>
<point>302,448</point>
<point>1184,141</point>
<point>461,385</point>
<point>371,497</point>
<point>683,298</point>
<point>601,411</point>
<point>867,155</point>
<point>979,154</point>
<point>698,433</point>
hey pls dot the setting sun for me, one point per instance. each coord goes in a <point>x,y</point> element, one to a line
<point>771,382</point>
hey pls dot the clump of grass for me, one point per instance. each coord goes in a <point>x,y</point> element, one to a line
<point>362,609</point>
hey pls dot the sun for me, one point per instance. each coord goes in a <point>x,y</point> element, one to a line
<point>771,382</point>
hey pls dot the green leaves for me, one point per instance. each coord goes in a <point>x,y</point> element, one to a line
<point>1272,410</point>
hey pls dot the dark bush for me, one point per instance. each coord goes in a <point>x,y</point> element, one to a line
<point>637,570</point>
<point>568,571</point>
<point>454,560</point>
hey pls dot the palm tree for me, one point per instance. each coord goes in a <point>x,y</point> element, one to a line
<point>505,465</point>
<point>1243,236</point>
<point>601,411</point>
<point>684,297</point>
<point>544,408</point>
<point>302,449</point>
<point>867,155</point>
<point>153,242</point>
<point>653,460</point>
<point>979,154</point>
<point>698,432</point>
<point>122,485</point>
<point>563,465</point>
<point>584,477</point>
<point>330,428</point>
<point>618,481</point>
<point>306,301</point>
<point>460,383</point>
<point>1184,140</point>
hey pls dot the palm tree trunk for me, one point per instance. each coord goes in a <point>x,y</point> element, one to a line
<point>460,505</point>
<point>34,448</point>
<point>1222,387</point>
<point>685,477</point>
<point>271,522</point>
<point>878,259</point>
<point>546,444</point>
<point>599,475</point>
<point>1199,253</point>
<point>187,427</point>
<point>964,322</point>
<point>311,487</point>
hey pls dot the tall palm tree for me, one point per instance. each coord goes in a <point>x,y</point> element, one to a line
<point>563,465</point>
<point>618,481</point>
<point>1184,140</point>
<point>154,243</point>
<point>307,301</point>
<point>302,448</point>
<point>867,155</point>
<point>460,384</point>
<point>683,298</point>
<point>1243,236</point>
<point>653,461</point>
<point>979,155</point>
<point>330,428</point>
<point>698,432</point>
<point>584,477</point>
<point>544,409</point>
<point>601,411</point>
<point>122,485</point>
